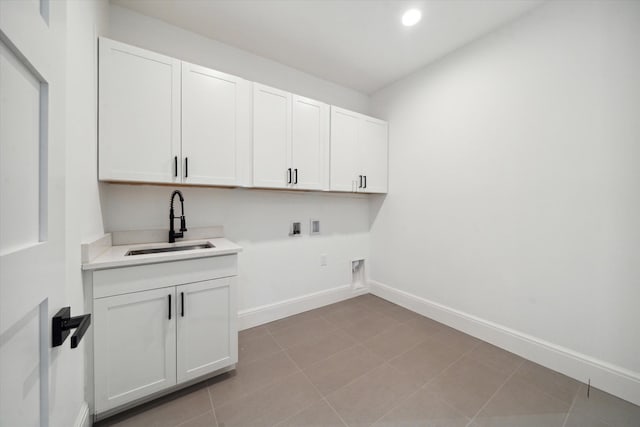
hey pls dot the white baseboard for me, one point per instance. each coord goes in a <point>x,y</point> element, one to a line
<point>83,419</point>
<point>605,376</point>
<point>270,312</point>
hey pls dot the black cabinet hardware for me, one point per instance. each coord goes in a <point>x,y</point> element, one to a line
<point>62,323</point>
<point>169,306</point>
<point>360,183</point>
<point>295,181</point>
<point>289,176</point>
<point>186,167</point>
<point>182,303</point>
<point>365,181</point>
<point>175,165</point>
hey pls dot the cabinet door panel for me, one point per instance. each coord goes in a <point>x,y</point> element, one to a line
<point>213,109</point>
<point>271,136</point>
<point>135,346</point>
<point>345,154</point>
<point>207,334</point>
<point>310,143</point>
<point>373,146</point>
<point>139,114</point>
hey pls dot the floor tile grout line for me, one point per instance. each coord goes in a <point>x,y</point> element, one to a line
<point>213,407</point>
<point>315,388</point>
<point>573,402</point>
<point>542,390</point>
<point>422,387</point>
<point>494,394</point>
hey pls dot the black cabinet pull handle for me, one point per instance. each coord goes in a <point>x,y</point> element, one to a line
<point>175,166</point>
<point>295,181</point>
<point>360,184</point>
<point>182,303</point>
<point>186,167</point>
<point>289,176</point>
<point>169,306</point>
<point>365,181</point>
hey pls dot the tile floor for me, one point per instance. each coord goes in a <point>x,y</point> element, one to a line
<point>366,361</point>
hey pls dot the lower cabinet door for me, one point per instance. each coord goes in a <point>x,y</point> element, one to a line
<point>207,330</point>
<point>135,346</point>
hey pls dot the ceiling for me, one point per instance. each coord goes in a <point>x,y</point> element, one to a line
<point>360,44</point>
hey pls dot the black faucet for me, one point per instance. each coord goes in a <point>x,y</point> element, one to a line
<point>172,217</point>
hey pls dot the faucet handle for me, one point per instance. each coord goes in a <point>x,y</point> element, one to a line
<point>183,224</point>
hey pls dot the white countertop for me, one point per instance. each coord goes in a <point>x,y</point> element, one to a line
<point>114,256</point>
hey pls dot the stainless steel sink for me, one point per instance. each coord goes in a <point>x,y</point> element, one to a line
<point>169,249</point>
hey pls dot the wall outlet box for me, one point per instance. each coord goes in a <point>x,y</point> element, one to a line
<point>314,226</point>
<point>295,229</point>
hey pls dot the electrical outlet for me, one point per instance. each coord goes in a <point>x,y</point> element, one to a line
<point>323,260</point>
<point>314,226</point>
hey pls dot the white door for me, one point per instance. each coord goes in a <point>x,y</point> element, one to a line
<point>345,153</point>
<point>32,210</point>
<point>207,331</point>
<point>310,137</point>
<point>373,137</point>
<point>139,114</point>
<point>271,137</point>
<point>135,346</point>
<point>214,108</point>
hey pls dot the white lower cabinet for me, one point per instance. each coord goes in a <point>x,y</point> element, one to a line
<point>135,346</point>
<point>147,341</point>
<point>207,340</point>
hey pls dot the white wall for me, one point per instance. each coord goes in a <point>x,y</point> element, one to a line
<point>85,20</point>
<point>134,28</point>
<point>514,181</point>
<point>273,267</point>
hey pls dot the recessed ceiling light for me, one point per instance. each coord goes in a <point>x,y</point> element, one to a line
<point>411,17</point>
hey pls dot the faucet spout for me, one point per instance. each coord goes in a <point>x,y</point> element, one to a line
<point>183,224</point>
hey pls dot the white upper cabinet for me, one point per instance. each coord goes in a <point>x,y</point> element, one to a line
<point>167,121</point>
<point>345,152</point>
<point>271,137</point>
<point>359,152</point>
<point>290,140</point>
<point>310,144</point>
<point>374,154</point>
<point>215,115</point>
<point>139,108</point>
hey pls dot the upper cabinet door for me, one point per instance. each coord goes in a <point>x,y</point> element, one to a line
<point>374,154</point>
<point>215,108</point>
<point>207,331</point>
<point>271,137</point>
<point>345,153</point>
<point>310,144</point>
<point>139,113</point>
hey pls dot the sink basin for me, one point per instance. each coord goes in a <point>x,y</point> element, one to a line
<point>169,249</point>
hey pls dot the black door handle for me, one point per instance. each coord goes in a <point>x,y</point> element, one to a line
<point>295,181</point>
<point>365,181</point>
<point>175,165</point>
<point>169,306</point>
<point>182,303</point>
<point>62,323</point>
<point>186,167</point>
<point>360,184</point>
<point>289,176</point>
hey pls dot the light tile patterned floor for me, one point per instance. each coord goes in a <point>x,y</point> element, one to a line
<point>366,361</point>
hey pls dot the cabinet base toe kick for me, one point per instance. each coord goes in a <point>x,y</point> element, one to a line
<point>192,385</point>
